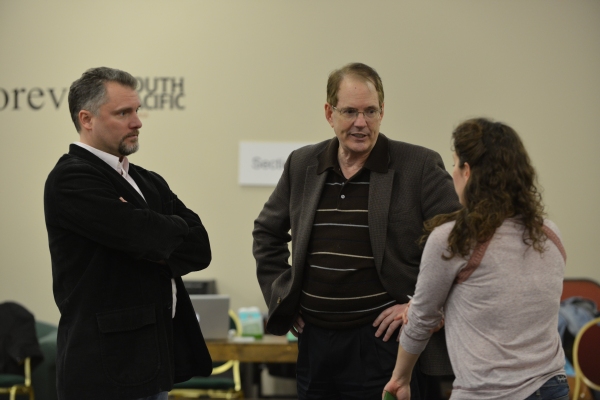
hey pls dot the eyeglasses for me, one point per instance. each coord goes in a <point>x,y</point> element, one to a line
<point>351,114</point>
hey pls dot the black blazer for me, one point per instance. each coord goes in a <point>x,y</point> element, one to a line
<point>415,188</point>
<point>116,336</point>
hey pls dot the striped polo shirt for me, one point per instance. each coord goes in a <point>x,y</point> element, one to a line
<point>341,287</point>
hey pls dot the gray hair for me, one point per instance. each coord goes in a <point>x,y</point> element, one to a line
<point>89,92</point>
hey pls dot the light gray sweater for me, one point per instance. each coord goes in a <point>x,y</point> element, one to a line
<point>501,323</point>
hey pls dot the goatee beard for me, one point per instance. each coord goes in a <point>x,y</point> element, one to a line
<point>126,149</point>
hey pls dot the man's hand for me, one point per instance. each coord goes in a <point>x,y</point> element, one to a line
<point>404,318</point>
<point>440,325</point>
<point>389,320</point>
<point>404,315</point>
<point>298,326</point>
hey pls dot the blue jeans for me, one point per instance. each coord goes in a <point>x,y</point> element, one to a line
<point>555,388</point>
<point>158,396</point>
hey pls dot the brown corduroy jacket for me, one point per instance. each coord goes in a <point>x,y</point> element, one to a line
<point>415,188</point>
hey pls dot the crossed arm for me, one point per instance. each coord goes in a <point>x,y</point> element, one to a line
<point>85,202</point>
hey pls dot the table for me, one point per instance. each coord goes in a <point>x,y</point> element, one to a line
<point>269,349</point>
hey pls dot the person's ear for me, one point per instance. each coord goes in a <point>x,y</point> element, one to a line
<point>466,170</point>
<point>329,114</point>
<point>85,119</point>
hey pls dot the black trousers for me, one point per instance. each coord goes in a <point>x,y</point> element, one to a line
<point>352,364</point>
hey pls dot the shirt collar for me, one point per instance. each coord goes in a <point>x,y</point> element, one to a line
<point>121,166</point>
<point>377,161</point>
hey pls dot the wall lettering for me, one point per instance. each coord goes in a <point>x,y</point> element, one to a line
<point>156,93</point>
<point>33,99</point>
<point>160,93</point>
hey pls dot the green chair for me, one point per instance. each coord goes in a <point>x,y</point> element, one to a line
<point>214,387</point>
<point>44,375</point>
<point>14,385</point>
<point>42,379</point>
<point>19,350</point>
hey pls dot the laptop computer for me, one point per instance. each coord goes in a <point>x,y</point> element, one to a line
<point>212,311</point>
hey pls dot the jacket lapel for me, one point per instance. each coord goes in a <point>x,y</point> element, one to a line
<point>121,185</point>
<point>150,192</point>
<point>313,186</point>
<point>380,194</point>
<point>139,200</point>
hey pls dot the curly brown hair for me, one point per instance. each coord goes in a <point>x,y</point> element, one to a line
<point>502,185</point>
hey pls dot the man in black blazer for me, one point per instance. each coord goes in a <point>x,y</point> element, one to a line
<point>355,205</point>
<point>120,240</point>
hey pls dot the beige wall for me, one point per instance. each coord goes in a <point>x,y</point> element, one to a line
<point>256,70</point>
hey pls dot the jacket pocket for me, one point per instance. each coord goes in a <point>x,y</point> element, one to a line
<point>129,344</point>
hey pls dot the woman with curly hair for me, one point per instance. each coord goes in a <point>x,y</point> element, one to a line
<point>492,272</point>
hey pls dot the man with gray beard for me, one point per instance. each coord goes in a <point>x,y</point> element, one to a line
<point>120,240</point>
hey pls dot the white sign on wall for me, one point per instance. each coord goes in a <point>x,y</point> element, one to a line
<point>261,163</point>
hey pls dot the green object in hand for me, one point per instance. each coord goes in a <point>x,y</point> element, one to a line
<point>388,396</point>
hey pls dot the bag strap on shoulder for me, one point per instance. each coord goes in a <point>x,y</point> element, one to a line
<point>481,248</point>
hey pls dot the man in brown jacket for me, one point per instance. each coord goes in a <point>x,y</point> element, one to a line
<point>355,205</point>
